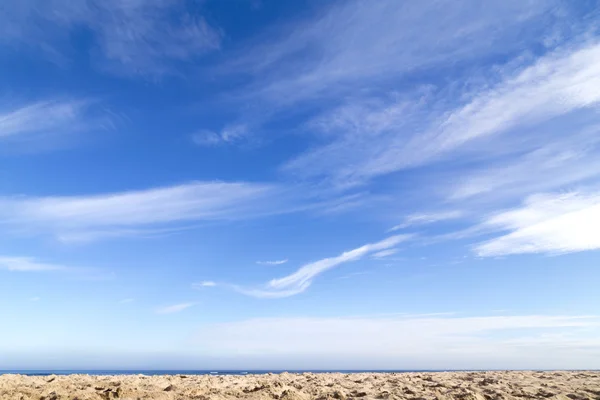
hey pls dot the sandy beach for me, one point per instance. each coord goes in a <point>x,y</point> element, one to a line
<point>575,385</point>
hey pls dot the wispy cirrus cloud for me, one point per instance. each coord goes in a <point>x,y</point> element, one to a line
<point>129,36</point>
<point>352,45</point>
<point>132,212</point>
<point>29,264</point>
<point>557,163</point>
<point>301,280</point>
<point>20,264</point>
<point>533,128</point>
<point>550,223</point>
<point>356,51</point>
<point>43,124</point>
<point>427,218</point>
<point>157,211</point>
<point>86,235</point>
<point>230,134</point>
<point>503,132</point>
<point>176,308</point>
<point>385,135</point>
<point>203,284</point>
<point>274,262</point>
<point>40,117</point>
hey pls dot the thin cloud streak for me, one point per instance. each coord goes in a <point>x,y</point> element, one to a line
<point>33,265</point>
<point>97,216</point>
<point>157,211</point>
<point>301,280</point>
<point>203,284</point>
<point>268,293</point>
<point>559,162</point>
<point>130,37</point>
<point>28,264</point>
<point>309,271</point>
<point>176,308</point>
<point>45,125</point>
<point>40,117</point>
<point>87,236</point>
<point>275,262</point>
<point>231,134</point>
<point>427,218</point>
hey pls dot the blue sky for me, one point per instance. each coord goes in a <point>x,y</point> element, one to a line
<point>299,185</point>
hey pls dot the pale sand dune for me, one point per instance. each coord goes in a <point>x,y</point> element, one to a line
<point>415,386</point>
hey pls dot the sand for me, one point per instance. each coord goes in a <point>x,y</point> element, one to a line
<point>416,386</point>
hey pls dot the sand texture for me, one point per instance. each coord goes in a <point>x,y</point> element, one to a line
<point>415,386</point>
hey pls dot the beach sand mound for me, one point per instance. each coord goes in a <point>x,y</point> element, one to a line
<point>515,385</point>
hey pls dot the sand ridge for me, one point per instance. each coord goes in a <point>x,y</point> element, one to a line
<point>511,385</point>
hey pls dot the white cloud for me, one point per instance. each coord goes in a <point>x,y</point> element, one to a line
<point>309,271</point>
<point>28,264</point>
<point>552,223</point>
<point>174,308</point>
<point>31,265</point>
<point>571,158</point>
<point>377,137</point>
<point>229,135</point>
<point>44,124</point>
<point>300,280</point>
<point>128,36</point>
<point>38,117</point>
<point>203,284</point>
<point>269,293</point>
<point>554,85</point>
<point>352,44</point>
<point>366,55</point>
<point>121,213</point>
<point>430,218</point>
<point>275,262</point>
<point>86,236</point>
<point>437,341</point>
<point>34,299</point>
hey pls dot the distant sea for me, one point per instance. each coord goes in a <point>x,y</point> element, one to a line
<point>183,372</point>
